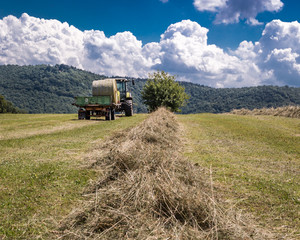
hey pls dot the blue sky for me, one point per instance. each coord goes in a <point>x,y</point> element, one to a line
<point>146,19</point>
<point>201,24</point>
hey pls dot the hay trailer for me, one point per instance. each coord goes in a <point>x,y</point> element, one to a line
<point>109,96</point>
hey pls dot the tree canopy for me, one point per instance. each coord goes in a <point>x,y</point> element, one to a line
<point>8,107</point>
<point>161,90</point>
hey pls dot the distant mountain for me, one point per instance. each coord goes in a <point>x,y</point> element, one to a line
<point>51,89</point>
<point>219,100</point>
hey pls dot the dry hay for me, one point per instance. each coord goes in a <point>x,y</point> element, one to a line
<point>288,111</point>
<point>149,191</point>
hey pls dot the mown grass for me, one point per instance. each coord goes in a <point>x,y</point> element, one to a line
<point>149,191</point>
<point>41,173</point>
<point>255,162</point>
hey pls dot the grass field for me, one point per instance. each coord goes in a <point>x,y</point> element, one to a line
<point>41,173</point>
<point>255,162</point>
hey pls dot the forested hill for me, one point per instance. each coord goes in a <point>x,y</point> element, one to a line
<point>51,89</point>
<point>43,88</point>
<point>218,100</point>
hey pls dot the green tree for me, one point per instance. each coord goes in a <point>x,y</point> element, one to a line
<point>8,107</point>
<point>161,89</point>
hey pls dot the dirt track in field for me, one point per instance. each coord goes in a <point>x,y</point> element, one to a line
<point>41,130</point>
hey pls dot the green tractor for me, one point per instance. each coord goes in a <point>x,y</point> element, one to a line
<point>110,95</point>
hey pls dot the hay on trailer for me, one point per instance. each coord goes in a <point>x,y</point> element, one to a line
<point>106,87</point>
<point>288,111</point>
<point>149,191</point>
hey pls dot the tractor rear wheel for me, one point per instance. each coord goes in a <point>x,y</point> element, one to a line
<point>108,115</point>
<point>87,115</point>
<point>128,108</point>
<point>113,114</point>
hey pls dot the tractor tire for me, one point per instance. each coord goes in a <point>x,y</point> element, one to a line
<point>81,114</point>
<point>128,108</point>
<point>113,114</point>
<point>87,115</point>
<point>108,115</point>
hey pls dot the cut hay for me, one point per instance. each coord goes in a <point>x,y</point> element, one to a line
<point>149,191</point>
<point>288,111</point>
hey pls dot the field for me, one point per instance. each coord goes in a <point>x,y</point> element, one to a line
<point>255,162</point>
<point>251,161</point>
<point>42,169</point>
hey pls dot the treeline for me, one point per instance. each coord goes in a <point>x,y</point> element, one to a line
<point>8,107</point>
<point>219,100</point>
<point>51,89</point>
<point>44,88</point>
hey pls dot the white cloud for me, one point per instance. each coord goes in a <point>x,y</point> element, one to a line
<point>281,34</point>
<point>120,54</point>
<point>232,11</point>
<point>209,5</point>
<point>30,40</point>
<point>182,50</point>
<point>276,54</point>
<point>185,52</point>
<point>164,1</point>
<point>279,52</point>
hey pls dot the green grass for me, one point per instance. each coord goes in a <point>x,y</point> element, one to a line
<point>41,168</point>
<point>255,162</point>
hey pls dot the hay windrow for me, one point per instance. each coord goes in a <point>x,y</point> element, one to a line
<point>288,111</point>
<point>149,191</point>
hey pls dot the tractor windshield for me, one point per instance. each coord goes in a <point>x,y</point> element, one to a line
<point>121,85</point>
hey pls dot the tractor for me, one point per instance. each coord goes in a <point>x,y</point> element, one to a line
<point>109,96</point>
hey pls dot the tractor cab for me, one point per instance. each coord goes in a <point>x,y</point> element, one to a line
<point>123,89</point>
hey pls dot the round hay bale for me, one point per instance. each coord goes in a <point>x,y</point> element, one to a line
<point>106,87</point>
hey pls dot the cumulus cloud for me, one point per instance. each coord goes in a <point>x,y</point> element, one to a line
<point>232,11</point>
<point>276,54</point>
<point>279,52</point>
<point>182,50</point>
<point>185,52</point>
<point>209,5</point>
<point>120,54</point>
<point>30,40</point>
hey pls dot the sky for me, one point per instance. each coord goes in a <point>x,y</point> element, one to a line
<point>218,43</point>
